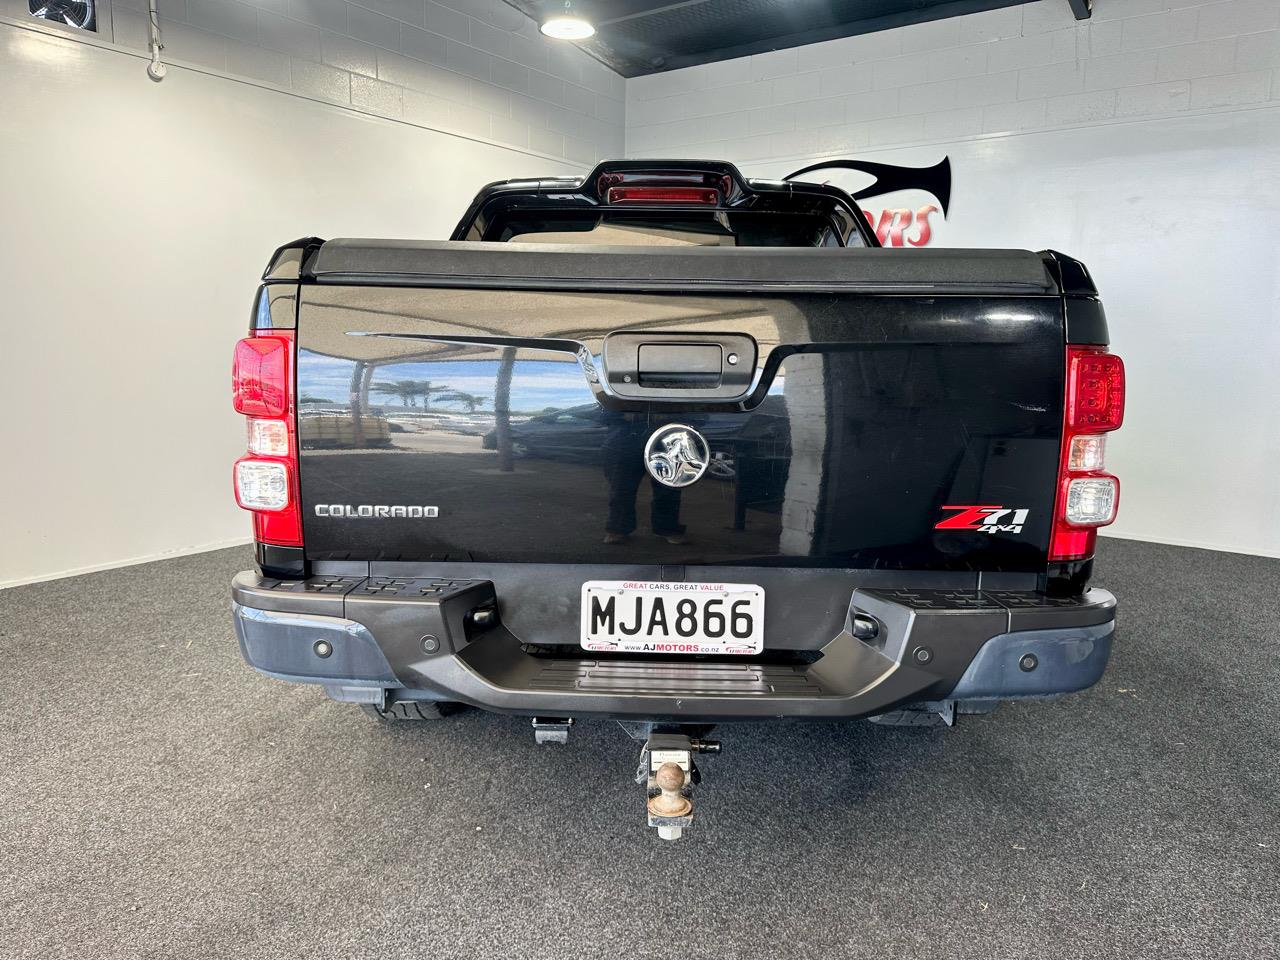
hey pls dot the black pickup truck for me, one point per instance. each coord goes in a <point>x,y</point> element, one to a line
<point>676,447</point>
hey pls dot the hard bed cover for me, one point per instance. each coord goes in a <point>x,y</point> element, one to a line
<point>543,266</point>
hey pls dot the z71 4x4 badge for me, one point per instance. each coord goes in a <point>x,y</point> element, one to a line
<point>985,519</point>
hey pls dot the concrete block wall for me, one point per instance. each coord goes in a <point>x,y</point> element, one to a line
<point>478,68</point>
<point>1023,68</point>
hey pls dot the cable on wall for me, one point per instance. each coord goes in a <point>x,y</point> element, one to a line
<point>156,69</point>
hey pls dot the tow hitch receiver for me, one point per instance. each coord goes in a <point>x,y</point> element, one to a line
<point>551,729</point>
<point>669,774</point>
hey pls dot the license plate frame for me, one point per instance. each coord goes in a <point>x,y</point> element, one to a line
<point>624,618</point>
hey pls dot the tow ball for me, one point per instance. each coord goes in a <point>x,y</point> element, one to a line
<point>669,775</point>
<point>666,771</point>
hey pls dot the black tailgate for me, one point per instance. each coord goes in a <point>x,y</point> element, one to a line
<point>461,401</point>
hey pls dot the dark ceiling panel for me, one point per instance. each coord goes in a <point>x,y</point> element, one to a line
<point>636,37</point>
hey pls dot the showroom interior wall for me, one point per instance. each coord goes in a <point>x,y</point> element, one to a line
<point>138,217</point>
<point>1145,141</point>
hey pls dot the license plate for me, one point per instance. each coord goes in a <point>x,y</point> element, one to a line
<point>636,616</point>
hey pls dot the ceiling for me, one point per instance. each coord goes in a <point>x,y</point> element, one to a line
<point>637,37</point>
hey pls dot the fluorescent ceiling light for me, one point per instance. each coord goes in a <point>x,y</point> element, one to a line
<point>568,28</point>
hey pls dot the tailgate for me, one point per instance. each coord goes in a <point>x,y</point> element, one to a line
<point>859,408</point>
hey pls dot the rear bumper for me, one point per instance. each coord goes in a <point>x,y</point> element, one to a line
<point>417,638</point>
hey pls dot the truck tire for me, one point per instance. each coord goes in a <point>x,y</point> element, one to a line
<point>403,710</point>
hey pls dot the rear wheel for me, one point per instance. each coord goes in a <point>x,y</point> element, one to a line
<point>403,710</point>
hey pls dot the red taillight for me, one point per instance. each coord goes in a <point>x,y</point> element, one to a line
<point>638,195</point>
<point>284,528</point>
<point>1095,391</point>
<point>266,481</point>
<point>1087,496</point>
<point>260,376</point>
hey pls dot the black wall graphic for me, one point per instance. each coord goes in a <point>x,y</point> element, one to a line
<point>902,226</point>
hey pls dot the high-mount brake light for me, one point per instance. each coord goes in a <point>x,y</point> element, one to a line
<point>644,195</point>
<point>1087,497</point>
<point>266,480</point>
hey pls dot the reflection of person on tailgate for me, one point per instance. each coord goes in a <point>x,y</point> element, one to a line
<point>624,469</point>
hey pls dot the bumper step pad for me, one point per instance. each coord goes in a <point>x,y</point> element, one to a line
<point>621,677</point>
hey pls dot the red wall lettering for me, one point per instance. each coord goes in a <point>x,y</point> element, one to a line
<point>892,226</point>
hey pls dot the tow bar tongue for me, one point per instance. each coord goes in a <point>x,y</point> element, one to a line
<point>669,774</point>
<point>667,771</point>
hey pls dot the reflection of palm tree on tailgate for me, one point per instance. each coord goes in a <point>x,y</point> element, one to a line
<point>409,390</point>
<point>426,389</point>
<point>406,390</point>
<point>469,400</point>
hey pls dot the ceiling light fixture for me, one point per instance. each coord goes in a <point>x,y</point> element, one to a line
<point>567,26</point>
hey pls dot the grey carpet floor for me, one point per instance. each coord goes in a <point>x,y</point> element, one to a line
<point>159,799</point>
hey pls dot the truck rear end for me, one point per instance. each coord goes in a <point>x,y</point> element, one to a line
<point>656,447</point>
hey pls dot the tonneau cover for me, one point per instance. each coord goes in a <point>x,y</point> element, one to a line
<point>542,266</point>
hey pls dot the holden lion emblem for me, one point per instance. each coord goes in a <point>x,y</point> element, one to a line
<point>676,455</point>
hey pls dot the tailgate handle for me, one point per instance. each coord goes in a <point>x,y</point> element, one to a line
<point>657,366</point>
<point>680,366</point>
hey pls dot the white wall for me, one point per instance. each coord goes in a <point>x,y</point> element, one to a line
<point>137,219</point>
<point>1029,67</point>
<point>478,68</point>
<point>1158,165</point>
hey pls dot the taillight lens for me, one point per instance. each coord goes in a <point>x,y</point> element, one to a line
<point>266,481</point>
<point>1091,501</point>
<point>1095,391</point>
<point>1087,496</point>
<point>262,484</point>
<point>1086,453</point>
<point>260,377</point>
<point>268,438</point>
